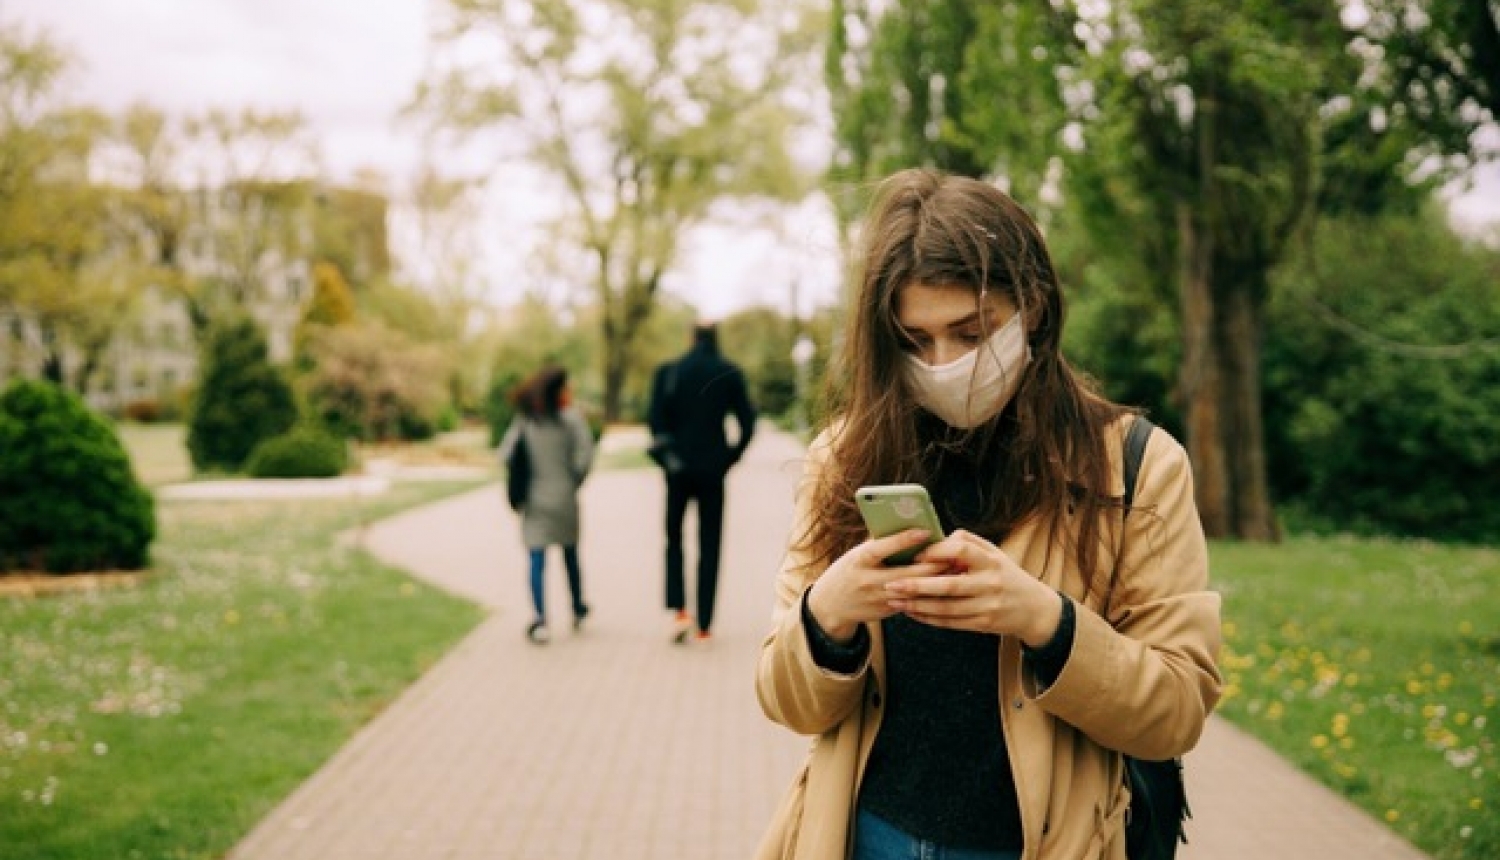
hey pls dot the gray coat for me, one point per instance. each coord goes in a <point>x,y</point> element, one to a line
<point>562,450</point>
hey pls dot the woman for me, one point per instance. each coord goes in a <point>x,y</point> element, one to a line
<point>975,702</point>
<point>561,450</point>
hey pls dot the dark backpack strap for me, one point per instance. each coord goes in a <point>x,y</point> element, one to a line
<point>1135,451</point>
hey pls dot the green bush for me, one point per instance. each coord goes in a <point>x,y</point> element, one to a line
<point>68,499</point>
<point>242,399</point>
<point>1380,377</point>
<point>304,452</point>
<point>498,410</point>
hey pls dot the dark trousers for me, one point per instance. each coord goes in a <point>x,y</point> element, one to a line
<point>708,492</point>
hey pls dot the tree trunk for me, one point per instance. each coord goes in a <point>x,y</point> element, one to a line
<point>615,366</point>
<point>1199,381</point>
<point>53,367</point>
<point>1240,314</point>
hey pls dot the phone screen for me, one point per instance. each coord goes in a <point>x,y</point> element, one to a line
<point>892,508</point>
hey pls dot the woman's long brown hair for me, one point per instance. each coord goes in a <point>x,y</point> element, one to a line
<point>1043,456</point>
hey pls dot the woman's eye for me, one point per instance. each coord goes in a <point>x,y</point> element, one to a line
<point>970,339</point>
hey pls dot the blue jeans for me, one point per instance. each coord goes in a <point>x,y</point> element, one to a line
<point>538,580</point>
<point>877,839</point>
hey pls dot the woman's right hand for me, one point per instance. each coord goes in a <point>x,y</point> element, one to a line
<point>852,590</point>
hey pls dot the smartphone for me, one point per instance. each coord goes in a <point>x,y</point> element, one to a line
<point>892,508</point>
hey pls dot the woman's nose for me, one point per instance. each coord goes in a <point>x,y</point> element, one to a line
<point>944,351</point>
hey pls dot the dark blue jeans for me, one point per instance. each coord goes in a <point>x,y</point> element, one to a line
<point>877,839</point>
<point>539,581</point>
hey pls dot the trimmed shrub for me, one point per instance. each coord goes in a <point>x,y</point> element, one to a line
<point>242,399</point>
<point>305,452</point>
<point>68,499</point>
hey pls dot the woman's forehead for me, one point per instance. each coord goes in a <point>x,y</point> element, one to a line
<point>923,305</point>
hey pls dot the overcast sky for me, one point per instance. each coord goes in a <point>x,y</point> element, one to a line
<point>350,65</point>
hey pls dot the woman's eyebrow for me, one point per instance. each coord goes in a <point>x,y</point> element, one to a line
<point>963,321</point>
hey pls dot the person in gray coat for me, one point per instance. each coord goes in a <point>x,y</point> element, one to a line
<point>561,450</point>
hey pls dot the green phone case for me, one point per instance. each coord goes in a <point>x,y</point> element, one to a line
<point>892,508</point>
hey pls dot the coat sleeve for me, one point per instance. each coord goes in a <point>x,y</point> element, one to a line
<point>1146,684</point>
<point>744,413</point>
<point>656,411</point>
<point>793,689</point>
<point>581,445</point>
<point>508,441</point>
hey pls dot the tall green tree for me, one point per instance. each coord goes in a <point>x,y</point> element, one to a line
<point>224,201</point>
<point>53,218</point>
<point>641,115</point>
<point>241,400</point>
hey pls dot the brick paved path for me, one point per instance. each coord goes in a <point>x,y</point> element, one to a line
<point>614,744</point>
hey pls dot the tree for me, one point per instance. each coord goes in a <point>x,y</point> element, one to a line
<point>371,382</point>
<point>1443,56</point>
<point>54,222</point>
<point>968,88</point>
<point>760,341</point>
<point>1382,360</point>
<point>641,115</point>
<point>331,304</point>
<point>242,399</point>
<point>224,201</point>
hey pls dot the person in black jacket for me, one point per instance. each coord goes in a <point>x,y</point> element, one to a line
<point>690,398</point>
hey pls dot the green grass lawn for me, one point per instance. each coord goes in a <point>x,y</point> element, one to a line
<point>1374,666</point>
<point>164,720</point>
<point>157,451</point>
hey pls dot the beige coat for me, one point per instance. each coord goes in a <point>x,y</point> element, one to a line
<point>1142,686</point>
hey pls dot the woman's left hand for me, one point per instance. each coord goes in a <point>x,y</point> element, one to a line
<point>986,592</point>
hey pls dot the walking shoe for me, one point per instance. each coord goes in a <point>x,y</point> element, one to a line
<point>579,614</point>
<point>703,638</point>
<point>681,627</point>
<point>537,633</point>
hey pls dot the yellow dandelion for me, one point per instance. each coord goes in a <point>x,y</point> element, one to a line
<point>1392,815</point>
<point>1351,679</point>
<point>1476,803</point>
<point>1346,743</point>
<point>1275,710</point>
<point>1461,718</point>
<point>1415,687</point>
<point>1465,628</point>
<point>407,589</point>
<point>232,616</point>
<point>1319,741</point>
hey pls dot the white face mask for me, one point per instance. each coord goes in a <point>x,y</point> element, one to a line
<point>974,388</point>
